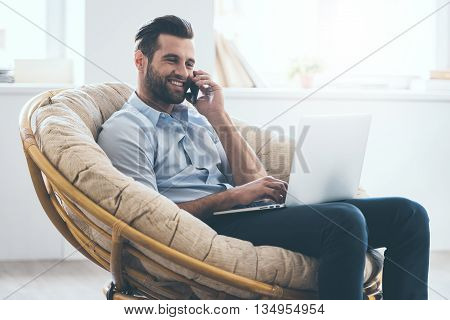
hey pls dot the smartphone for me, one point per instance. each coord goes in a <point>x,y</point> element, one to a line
<point>192,93</point>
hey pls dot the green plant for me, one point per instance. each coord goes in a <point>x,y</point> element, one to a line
<point>304,67</point>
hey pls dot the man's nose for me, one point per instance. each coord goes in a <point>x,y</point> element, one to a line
<point>183,71</point>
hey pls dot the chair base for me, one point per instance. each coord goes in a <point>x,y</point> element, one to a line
<point>111,293</point>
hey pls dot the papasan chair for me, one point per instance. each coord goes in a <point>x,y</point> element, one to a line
<point>153,249</point>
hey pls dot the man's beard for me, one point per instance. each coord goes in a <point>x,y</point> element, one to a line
<point>159,87</point>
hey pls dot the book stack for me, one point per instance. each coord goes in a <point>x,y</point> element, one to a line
<point>6,67</point>
<point>440,74</point>
<point>6,75</point>
<point>439,80</point>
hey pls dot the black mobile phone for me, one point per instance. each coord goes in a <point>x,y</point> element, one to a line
<point>192,93</point>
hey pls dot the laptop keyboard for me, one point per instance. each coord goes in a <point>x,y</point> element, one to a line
<point>259,203</point>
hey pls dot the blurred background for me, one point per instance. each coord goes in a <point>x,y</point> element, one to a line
<point>387,58</point>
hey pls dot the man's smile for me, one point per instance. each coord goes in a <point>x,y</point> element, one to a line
<point>177,84</point>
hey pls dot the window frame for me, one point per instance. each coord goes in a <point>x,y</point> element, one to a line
<point>442,56</point>
<point>443,37</point>
<point>56,26</point>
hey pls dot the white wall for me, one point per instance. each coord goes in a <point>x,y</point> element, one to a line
<point>408,151</point>
<point>26,232</point>
<point>111,27</point>
<point>408,155</point>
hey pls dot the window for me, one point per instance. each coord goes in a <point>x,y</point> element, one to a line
<point>31,33</point>
<point>329,36</point>
<point>21,39</point>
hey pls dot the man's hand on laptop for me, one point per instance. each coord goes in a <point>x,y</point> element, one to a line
<point>260,189</point>
<point>266,188</point>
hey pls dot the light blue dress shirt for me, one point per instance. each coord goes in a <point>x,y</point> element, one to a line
<point>178,155</point>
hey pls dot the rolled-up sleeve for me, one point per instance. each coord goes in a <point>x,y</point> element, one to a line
<point>225,165</point>
<point>130,147</point>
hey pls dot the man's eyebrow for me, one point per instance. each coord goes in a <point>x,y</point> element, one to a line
<point>173,55</point>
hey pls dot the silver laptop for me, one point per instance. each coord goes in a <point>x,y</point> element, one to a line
<point>327,164</point>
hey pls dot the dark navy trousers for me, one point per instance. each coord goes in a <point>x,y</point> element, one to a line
<point>338,234</point>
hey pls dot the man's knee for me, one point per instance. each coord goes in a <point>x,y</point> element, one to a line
<point>349,221</point>
<point>412,214</point>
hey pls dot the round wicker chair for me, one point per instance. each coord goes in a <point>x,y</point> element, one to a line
<point>64,203</point>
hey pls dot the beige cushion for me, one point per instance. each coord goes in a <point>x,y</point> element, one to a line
<point>67,130</point>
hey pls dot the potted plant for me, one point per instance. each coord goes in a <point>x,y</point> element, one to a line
<point>305,69</point>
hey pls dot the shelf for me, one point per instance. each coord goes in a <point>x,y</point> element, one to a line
<point>335,94</point>
<point>27,88</point>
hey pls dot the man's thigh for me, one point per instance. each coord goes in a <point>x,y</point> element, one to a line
<point>298,228</point>
<point>381,214</point>
<point>301,228</point>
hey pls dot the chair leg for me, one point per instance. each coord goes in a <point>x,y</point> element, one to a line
<point>109,291</point>
<point>374,294</point>
<point>112,293</point>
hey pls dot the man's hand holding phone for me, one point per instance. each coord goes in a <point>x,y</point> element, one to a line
<point>244,163</point>
<point>211,103</point>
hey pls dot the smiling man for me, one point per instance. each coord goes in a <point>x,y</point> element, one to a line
<point>194,155</point>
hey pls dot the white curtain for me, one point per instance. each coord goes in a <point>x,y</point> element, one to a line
<point>232,69</point>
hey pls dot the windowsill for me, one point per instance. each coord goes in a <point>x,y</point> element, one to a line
<point>27,88</point>
<point>336,94</point>
<point>270,93</point>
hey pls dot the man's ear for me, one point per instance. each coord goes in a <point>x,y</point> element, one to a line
<point>139,60</point>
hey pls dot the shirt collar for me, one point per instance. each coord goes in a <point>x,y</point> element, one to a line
<point>179,111</point>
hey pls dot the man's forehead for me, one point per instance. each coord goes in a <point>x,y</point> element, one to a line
<point>169,44</point>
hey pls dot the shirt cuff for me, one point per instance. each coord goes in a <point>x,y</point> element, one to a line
<point>226,185</point>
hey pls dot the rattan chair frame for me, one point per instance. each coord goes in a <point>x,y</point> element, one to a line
<point>55,193</point>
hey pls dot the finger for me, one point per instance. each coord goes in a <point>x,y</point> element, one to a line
<point>197,72</point>
<point>278,196</point>
<point>284,194</point>
<point>270,193</point>
<point>270,178</point>
<point>206,97</point>
<point>204,81</point>
<point>201,77</point>
<point>275,195</point>
<point>276,185</point>
<point>207,82</point>
<point>280,187</point>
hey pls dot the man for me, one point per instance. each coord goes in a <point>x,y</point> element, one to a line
<point>197,158</point>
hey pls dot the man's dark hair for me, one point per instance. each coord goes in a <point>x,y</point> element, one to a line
<point>147,36</point>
